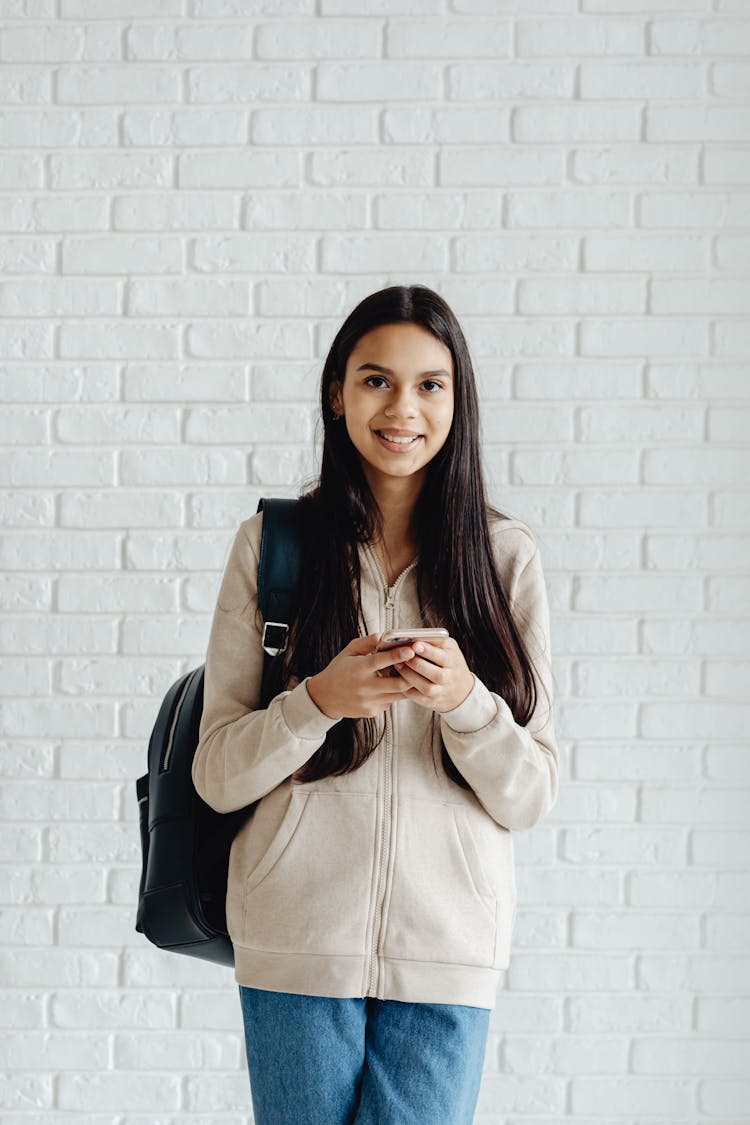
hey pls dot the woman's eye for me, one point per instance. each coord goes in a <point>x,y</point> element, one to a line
<point>368,381</point>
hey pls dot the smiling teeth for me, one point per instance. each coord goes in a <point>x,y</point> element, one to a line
<point>400,440</point>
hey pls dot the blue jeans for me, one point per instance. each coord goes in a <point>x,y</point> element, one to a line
<point>321,1060</point>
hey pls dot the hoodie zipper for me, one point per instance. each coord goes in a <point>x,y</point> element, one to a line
<point>385,827</point>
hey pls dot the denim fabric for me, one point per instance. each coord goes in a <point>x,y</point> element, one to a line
<point>320,1060</point>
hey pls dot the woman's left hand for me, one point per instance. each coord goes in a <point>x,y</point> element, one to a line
<point>438,676</point>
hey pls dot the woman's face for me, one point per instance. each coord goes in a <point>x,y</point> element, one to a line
<point>398,382</point>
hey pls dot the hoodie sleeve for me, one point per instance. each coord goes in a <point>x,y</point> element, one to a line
<point>244,751</point>
<point>513,769</point>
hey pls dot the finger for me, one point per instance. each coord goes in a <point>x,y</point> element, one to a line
<point>400,686</point>
<point>363,645</point>
<point>429,652</point>
<point>421,671</point>
<point>392,673</point>
<point>392,690</point>
<point>391,656</point>
<point>415,677</point>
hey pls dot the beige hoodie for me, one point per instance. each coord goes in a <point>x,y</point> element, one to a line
<point>391,881</point>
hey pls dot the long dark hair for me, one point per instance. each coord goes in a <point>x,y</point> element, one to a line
<point>457,579</point>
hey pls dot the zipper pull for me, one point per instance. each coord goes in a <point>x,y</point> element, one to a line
<point>389,597</point>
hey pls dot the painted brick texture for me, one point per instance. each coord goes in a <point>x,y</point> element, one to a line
<point>193,194</point>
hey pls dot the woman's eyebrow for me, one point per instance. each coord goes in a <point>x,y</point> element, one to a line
<point>387,371</point>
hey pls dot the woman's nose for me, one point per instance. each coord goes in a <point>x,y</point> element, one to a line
<point>402,404</point>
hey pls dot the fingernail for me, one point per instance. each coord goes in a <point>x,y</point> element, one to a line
<point>419,648</point>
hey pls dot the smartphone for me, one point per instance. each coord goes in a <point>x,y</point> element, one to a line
<point>394,638</point>
<point>391,638</point>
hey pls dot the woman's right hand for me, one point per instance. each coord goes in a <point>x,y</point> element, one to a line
<point>350,687</point>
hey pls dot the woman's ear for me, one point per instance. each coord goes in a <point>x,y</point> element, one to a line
<point>334,396</point>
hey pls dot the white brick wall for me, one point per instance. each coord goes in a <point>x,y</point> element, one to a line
<point>193,194</point>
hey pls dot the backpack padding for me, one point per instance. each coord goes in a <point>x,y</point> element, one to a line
<point>184,887</point>
<point>280,559</point>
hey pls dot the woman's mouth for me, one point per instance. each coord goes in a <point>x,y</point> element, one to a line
<point>397,444</point>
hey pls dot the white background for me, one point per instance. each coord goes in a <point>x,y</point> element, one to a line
<point>193,195</point>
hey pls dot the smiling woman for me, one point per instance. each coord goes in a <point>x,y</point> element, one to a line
<point>371,895</point>
<point>397,419</point>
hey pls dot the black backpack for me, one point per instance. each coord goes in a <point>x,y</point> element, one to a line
<point>184,842</point>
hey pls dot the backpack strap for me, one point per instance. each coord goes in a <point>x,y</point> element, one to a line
<point>278,572</point>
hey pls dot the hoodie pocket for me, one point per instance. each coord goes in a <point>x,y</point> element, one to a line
<point>441,906</point>
<point>472,855</point>
<point>275,850</point>
<point>310,890</point>
<point>489,853</point>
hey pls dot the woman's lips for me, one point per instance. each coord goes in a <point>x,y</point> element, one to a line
<point>397,446</point>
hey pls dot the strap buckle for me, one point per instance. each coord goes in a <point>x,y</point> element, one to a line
<point>275,635</point>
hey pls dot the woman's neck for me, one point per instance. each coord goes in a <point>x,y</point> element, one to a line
<point>397,547</point>
<point>398,533</point>
<point>397,500</point>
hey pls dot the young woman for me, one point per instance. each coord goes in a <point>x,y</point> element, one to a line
<point>371,895</point>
